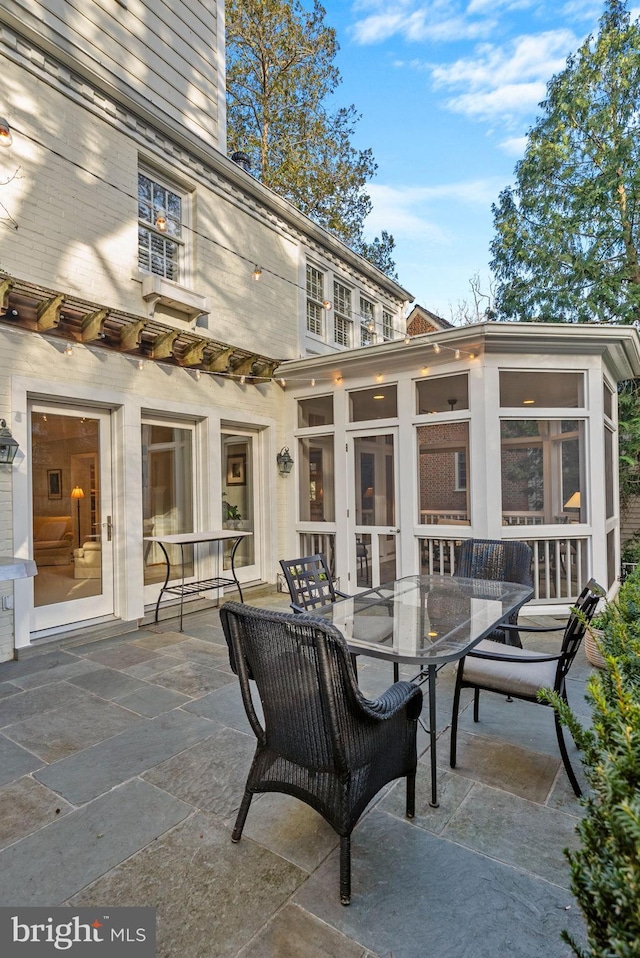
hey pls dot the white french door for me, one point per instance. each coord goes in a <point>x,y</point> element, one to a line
<point>72,513</point>
<point>241,505</point>
<point>373,531</point>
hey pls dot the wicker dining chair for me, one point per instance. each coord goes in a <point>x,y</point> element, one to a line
<point>322,741</point>
<point>505,560</point>
<point>311,586</point>
<point>520,673</point>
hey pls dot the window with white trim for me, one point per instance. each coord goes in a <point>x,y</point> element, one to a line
<point>342,314</point>
<point>460,465</point>
<point>315,298</point>
<point>387,325</point>
<point>160,222</point>
<point>367,323</point>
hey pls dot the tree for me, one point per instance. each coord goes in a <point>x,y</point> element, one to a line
<point>379,253</point>
<point>281,76</point>
<point>568,234</point>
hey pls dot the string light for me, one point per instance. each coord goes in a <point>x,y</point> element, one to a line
<point>68,349</point>
<point>161,221</point>
<point>243,380</point>
<point>141,364</point>
<point>257,273</point>
<point>327,304</point>
<point>197,374</point>
<point>437,348</point>
<point>313,382</point>
<point>457,354</point>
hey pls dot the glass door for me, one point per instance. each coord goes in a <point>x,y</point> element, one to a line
<point>239,500</point>
<point>373,533</point>
<point>72,527</point>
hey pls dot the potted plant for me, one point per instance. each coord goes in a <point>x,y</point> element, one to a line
<point>230,513</point>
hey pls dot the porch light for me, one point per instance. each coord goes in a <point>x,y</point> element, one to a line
<point>8,445</point>
<point>5,133</point>
<point>285,462</point>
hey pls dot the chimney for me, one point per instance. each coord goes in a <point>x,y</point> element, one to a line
<point>243,160</point>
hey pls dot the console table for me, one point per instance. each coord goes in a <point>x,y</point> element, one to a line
<point>183,539</point>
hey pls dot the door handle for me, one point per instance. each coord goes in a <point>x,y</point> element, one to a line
<point>109,525</point>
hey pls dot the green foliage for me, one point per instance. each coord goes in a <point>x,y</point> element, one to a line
<point>629,442</point>
<point>605,870</point>
<point>281,76</point>
<point>379,253</point>
<point>568,234</point>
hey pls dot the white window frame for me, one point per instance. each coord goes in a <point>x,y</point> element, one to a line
<point>367,320</point>
<point>315,300</point>
<point>460,460</point>
<point>342,305</point>
<point>169,237</point>
<point>387,325</point>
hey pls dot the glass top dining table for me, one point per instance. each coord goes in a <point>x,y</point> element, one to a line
<point>432,620</point>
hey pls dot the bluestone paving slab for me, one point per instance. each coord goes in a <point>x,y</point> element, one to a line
<point>159,640</point>
<point>53,864</point>
<point>192,679</point>
<point>120,656</point>
<point>201,653</point>
<point>26,806</point>
<point>294,933</point>
<point>36,663</point>
<point>107,683</point>
<point>17,708</point>
<point>520,771</point>
<point>515,831</point>
<point>147,670</point>
<point>8,688</point>
<point>210,775</point>
<point>415,895</point>
<point>15,761</point>
<point>62,732</point>
<point>289,828</point>
<point>212,895</point>
<point>59,674</point>
<point>452,790</point>
<point>85,775</point>
<point>151,700</point>
<point>224,705</point>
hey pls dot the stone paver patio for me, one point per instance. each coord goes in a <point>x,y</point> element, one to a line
<point>122,765</point>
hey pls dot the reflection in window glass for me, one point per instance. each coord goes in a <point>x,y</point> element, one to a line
<point>374,480</point>
<point>315,469</point>
<point>542,468</point>
<point>378,403</point>
<point>315,412</point>
<point>442,473</point>
<point>238,497</point>
<point>443,394</point>
<point>167,496</point>
<point>607,397</point>
<point>550,389</point>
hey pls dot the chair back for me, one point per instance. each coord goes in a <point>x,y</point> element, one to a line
<point>304,678</point>
<point>506,560</point>
<point>581,614</point>
<point>309,581</point>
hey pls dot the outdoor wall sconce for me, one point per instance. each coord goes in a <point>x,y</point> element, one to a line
<point>5,133</point>
<point>8,445</point>
<point>285,462</point>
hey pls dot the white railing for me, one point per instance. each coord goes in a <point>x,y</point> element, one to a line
<point>559,568</point>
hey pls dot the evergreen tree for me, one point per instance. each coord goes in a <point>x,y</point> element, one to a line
<point>568,234</point>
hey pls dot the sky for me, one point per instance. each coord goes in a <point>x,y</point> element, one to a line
<point>447,90</point>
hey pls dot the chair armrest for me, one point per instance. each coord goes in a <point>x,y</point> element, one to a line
<point>500,657</point>
<point>297,608</point>
<point>397,697</point>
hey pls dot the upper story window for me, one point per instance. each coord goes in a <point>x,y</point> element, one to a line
<point>549,389</point>
<point>387,325</point>
<point>342,314</point>
<point>315,299</point>
<point>367,324</point>
<point>160,219</point>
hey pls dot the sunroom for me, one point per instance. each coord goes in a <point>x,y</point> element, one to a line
<point>492,430</point>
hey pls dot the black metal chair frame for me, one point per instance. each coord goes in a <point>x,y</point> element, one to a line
<point>574,631</point>
<point>322,741</point>
<point>506,560</point>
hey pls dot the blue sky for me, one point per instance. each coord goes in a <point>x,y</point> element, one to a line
<point>447,90</point>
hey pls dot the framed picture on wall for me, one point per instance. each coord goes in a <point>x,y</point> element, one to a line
<point>236,470</point>
<point>54,483</point>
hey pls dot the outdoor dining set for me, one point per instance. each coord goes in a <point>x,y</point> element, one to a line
<point>320,740</point>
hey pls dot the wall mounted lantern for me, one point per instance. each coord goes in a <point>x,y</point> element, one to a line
<point>285,462</point>
<point>5,133</point>
<point>8,445</point>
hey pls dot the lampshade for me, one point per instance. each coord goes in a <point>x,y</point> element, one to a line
<point>573,502</point>
<point>77,493</point>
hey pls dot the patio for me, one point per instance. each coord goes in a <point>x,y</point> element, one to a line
<point>123,764</point>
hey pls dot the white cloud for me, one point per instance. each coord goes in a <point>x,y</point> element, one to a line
<point>407,211</point>
<point>514,146</point>
<point>435,21</point>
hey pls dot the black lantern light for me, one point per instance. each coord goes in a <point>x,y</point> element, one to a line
<point>8,445</point>
<point>285,462</point>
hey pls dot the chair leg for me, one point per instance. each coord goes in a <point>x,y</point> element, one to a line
<point>354,662</point>
<point>565,758</point>
<point>476,705</point>
<point>454,718</point>
<point>236,835</point>
<point>396,672</point>
<point>411,794</point>
<point>345,870</point>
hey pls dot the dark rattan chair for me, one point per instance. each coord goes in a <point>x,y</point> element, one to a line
<point>311,586</point>
<point>520,674</point>
<point>500,560</point>
<point>322,740</point>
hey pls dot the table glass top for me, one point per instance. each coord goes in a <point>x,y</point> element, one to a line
<point>429,618</point>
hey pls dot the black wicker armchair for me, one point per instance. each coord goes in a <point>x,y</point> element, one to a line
<point>322,741</point>
<point>520,673</point>
<point>499,560</point>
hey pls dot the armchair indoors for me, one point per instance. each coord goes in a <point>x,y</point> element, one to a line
<point>311,586</point>
<point>521,674</point>
<point>322,741</point>
<point>506,560</point>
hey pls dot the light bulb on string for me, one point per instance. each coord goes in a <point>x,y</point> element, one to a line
<point>257,273</point>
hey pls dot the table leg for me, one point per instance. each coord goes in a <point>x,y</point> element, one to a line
<point>166,579</point>
<point>431,671</point>
<point>233,568</point>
